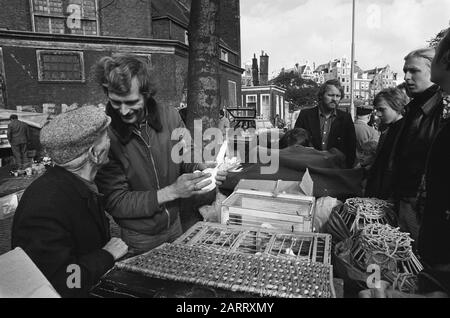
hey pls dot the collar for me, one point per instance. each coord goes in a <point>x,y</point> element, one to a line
<point>90,184</point>
<point>333,113</point>
<point>124,131</point>
<point>80,184</point>
<point>360,121</point>
<point>430,98</point>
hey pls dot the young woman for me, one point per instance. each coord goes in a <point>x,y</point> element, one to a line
<point>389,104</point>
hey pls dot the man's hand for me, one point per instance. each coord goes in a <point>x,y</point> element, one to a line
<point>116,247</point>
<point>221,176</point>
<point>189,184</point>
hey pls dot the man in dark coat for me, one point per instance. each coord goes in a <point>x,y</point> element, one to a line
<point>420,126</point>
<point>434,237</point>
<point>328,126</point>
<point>142,183</point>
<point>60,221</point>
<point>18,137</point>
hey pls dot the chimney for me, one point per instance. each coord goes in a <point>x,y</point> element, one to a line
<point>255,71</point>
<point>264,69</point>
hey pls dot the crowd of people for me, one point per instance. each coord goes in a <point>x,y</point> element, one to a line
<point>120,162</point>
<point>405,161</point>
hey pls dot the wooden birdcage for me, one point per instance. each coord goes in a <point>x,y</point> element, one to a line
<point>312,247</point>
<point>264,275</point>
<point>269,204</point>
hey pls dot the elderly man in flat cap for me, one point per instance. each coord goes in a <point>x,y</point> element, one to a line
<point>60,221</point>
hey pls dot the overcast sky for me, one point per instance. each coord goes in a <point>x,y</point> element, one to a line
<point>292,31</point>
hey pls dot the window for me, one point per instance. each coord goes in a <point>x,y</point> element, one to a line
<point>265,106</point>
<point>60,66</point>
<point>65,16</point>
<point>186,37</point>
<point>146,57</point>
<point>251,101</point>
<point>232,96</point>
<point>277,101</point>
<point>223,55</point>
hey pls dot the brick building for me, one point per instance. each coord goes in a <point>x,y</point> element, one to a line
<point>46,54</point>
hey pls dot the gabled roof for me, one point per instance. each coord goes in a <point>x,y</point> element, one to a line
<point>376,70</point>
<point>172,9</point>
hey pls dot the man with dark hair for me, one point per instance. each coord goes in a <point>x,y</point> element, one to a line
<point>142,184</point>
<point>328,126</point>
<point>18,137</point>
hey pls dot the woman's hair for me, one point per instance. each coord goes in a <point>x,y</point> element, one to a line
<point>116,73</point>
<point>394,97</point>
<point>425,53</point>
<point>296,136</point>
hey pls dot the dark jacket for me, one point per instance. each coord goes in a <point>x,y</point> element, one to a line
<point>17,132</point>
<point>135,172</point>
<point>434,236</point>
<point>379,182</point>
<point>342,133</point>
<point>420,126</point>
<point>59,222</point>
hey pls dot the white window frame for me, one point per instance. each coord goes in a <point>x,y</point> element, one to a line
<point>247,99</point>
<point>62,52</point>
<point>224,55</point>
<point>186,37</point>
<point>235,93</point>
<point>277,105</point>
<point>64,17</point>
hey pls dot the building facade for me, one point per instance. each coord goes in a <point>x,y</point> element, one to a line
<point>381,78</point>
<point>268,100</point>
<point>48,47</point>
<point>366,83</point>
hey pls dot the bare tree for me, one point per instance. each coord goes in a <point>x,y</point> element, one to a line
<point>203,70</point>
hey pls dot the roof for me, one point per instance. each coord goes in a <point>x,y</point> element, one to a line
<point>37,120</point>
<point>170,8</point>
<point>376,70</point>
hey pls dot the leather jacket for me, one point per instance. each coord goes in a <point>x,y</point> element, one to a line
<point>421,124</point>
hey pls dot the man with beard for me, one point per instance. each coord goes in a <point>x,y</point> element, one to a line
<point>328,126</point>
<point>60,221</point>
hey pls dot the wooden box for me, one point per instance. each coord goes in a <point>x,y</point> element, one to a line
<point>278,205</point>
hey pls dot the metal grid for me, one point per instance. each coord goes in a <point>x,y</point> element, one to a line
<point>313,247</point>
<point>264,275</point>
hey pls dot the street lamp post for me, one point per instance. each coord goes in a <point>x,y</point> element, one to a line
<point>352,67</point>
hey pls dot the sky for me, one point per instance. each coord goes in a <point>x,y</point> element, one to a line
<point>296,31</point>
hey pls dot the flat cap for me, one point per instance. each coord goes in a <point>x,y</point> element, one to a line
<point>71,134</point>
